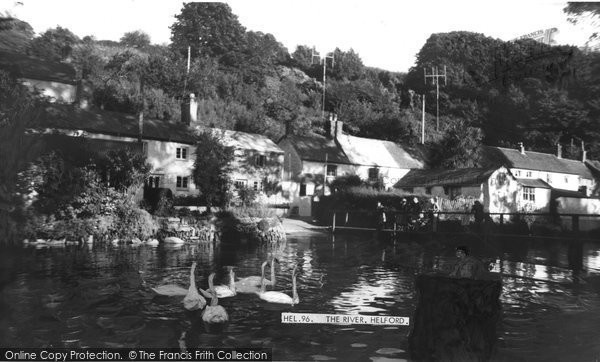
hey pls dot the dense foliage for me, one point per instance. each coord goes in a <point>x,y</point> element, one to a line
<point>211,169</point>
<point>497,92</point>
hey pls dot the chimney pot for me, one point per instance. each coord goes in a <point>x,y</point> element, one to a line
<point>189,110</point>
<point>558,150</point>
<point>521,148</point>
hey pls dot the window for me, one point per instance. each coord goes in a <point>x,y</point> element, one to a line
<point>240,184</point>
<point>181,153</point>
<point>528,174</point>
<point>528,194</point>
<point>373,174</point>
<point>566,179</point>
<point>408,189</point>
<point>260,160</point>
<point>455,191</point>
<point>452,191</point>
<point>332,170</point>
<point>428,190</point>
<point>153,182</point>
<point>257,185</point>
<point>302,189</point>
<point>517,173</point>
<point>549,179</point>
<point>182,182</point>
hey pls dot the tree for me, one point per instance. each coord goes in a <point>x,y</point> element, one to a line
<point>135,39</point>
<point>15,35</point>
<point>123,169</point>
<point>212,168</point>
<point>18,111</point>
<point>55,44</point>
<point>460,147</point>
<point>210,29</point>
<point>347,65</point>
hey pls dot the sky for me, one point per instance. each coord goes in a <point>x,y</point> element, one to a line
<point>386,34</point>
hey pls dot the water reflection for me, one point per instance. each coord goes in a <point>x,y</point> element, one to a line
<point>99,296</point>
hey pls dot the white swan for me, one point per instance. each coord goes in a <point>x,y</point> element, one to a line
<point>214,313</point>
<point>252,283</point>
<point>193,300</point>
<point>279,297</point>
<point>225,291</point>
<point>170,290</point>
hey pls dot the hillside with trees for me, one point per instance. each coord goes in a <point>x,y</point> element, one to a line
<point>497,92</point>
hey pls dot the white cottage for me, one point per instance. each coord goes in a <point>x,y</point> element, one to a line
<point>309,160</point>
<point>496,188</point>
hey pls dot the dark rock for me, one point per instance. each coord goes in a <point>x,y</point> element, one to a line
<point>455,319</point>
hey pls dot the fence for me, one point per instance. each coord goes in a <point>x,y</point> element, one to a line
<point>454,221</point>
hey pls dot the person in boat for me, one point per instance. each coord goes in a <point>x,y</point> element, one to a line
<point>467,266</point>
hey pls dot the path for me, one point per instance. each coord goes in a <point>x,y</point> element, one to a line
<point>293,226</point>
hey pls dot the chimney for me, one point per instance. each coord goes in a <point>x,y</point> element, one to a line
<point>558,150</point>
<point>583,152</point>
<point>335,126</point>
<point>521,148</point>
<point>332,125</point>
<point>189,110</point>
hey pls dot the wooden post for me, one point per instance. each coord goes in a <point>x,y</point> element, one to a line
<point>333,223</point>
<point>501,219</point>
<point>575,223</point>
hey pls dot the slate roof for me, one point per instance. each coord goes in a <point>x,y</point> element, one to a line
<point>534,161</point>
<point>24,66</point>
<point>534,182</point>
<point>247,141</point>
<point>353,151</point>
<point>568,193</point>
<point>461,176</point>
<point>63,116</point>
<point>316,148</point>
<point>377,153</point>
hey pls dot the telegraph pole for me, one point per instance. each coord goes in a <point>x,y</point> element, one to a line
<point>324,61</point>
<point>423,123</point>
<point>435,76</point>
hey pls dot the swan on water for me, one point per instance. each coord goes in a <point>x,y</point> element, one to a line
<point>279,297</point>
<point>214,313</point>
<point>193,300</point>
<point>252,283</point>
<point>225,291</point>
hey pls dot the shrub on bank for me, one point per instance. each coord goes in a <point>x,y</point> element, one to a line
<point>366,198</point>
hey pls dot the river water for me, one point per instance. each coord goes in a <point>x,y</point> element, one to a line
<point>99,296</point>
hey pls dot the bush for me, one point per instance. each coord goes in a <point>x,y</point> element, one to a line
<point>342,183</point>
<point>190,200</point>
<point>247,195</point>
<point>366,198</point>
<point>131,221</point>
<point>362,199</point>
<point>256,210</point>
<point>159,201</point>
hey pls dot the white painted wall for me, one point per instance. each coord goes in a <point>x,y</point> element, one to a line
<point>500,192</point>
<point>557,180</point>
<point>162,156</point>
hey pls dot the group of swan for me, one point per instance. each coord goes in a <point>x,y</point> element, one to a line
<point>195,297</point>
